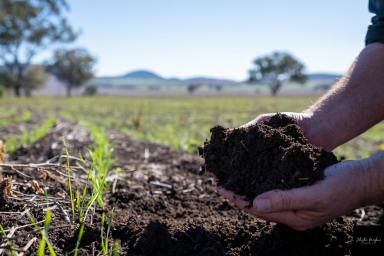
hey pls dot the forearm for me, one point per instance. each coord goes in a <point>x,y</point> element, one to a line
<point>353,105</point>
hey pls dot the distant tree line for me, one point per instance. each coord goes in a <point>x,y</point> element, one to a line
<point>29,27</point>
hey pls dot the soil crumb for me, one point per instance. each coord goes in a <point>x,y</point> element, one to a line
<point>273,154</point>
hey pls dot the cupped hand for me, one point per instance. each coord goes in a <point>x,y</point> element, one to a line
<point>315,133</point>
<point>301,118</point>
<point>344,188</point>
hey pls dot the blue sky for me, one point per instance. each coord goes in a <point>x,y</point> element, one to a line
<point>218,37</point>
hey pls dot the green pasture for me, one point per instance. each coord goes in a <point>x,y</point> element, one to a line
<point>179,122</point>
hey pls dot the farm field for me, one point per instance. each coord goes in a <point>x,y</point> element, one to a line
<point>178,122</point>
<point>119,176</point>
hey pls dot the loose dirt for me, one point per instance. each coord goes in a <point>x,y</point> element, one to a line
<point>273,154</point>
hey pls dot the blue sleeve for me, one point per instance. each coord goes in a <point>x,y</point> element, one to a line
<point>375,32</point>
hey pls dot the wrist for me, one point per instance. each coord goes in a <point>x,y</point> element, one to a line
<point>317,131</point>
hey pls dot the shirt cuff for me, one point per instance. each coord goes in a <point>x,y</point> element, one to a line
<point>375,32</point>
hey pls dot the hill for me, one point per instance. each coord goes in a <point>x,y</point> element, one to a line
<point>142,74</point>
<point>150,78</point>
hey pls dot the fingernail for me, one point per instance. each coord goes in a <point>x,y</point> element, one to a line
<point>263,205</point>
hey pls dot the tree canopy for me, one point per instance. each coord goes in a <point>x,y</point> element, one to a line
<point>275,69</point>
<point>28,27</point>
<point>35,77</point>
<point>74,67</point>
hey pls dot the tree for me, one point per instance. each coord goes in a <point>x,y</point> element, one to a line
<point>277,68</point>
<point>191,88</point>
<point>28,27</point>
<point>35,77</point>
<point>218,88</point>
<point>6,79</point>
<point>90,90</point>
<point>73,67</point>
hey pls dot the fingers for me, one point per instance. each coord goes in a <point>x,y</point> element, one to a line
<point>293,199</point>
<point>288,218</point>
<point>263,117</point>
<point>338,168</point>
<point>239,201</point>
<point>258,119</point>
<point>299,117</point>
<point>278,200</point>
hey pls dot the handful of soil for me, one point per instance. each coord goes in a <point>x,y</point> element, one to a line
<point>273,154</point>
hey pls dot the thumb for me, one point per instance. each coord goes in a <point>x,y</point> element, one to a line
<point>258,119</point>
<point>285,200</point>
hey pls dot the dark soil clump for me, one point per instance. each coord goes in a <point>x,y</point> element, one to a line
<point>273,154</point>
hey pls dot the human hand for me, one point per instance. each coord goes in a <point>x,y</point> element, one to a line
<point>301,118</point>
<point>315,132</point>
<point>347,185</point>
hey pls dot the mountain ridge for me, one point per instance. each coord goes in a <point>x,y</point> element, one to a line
<point>143,76</point>
<point>150,76</point>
